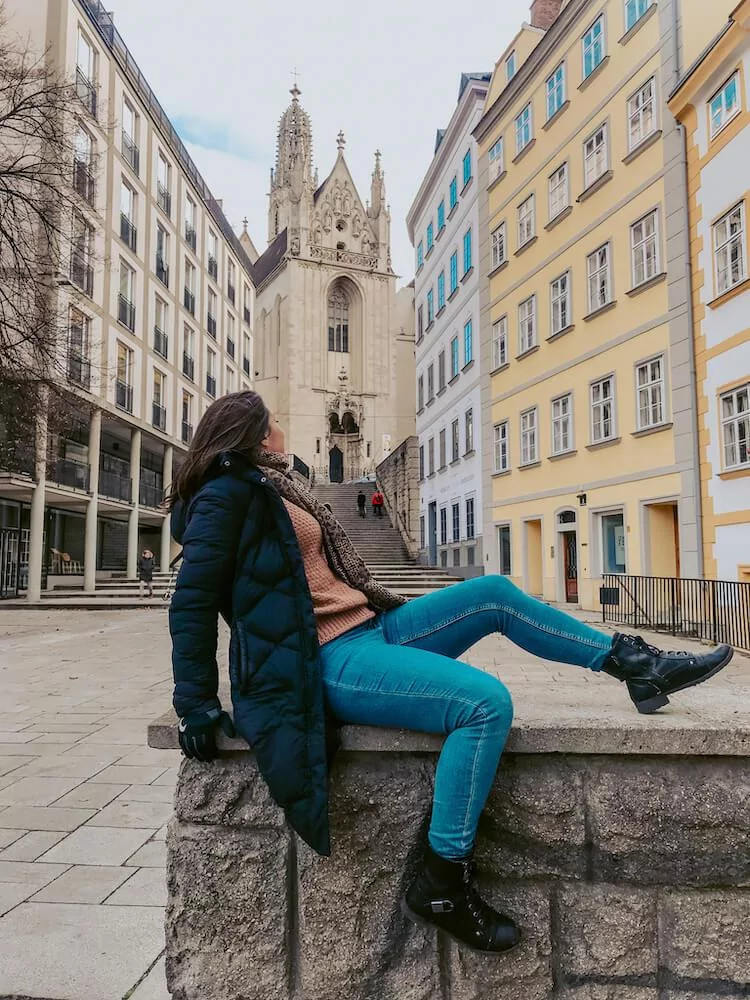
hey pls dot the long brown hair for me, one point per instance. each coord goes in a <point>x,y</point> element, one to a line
<point>237,422</point>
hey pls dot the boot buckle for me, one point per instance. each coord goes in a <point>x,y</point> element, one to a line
<point>442,906</point>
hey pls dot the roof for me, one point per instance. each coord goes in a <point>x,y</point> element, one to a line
<point>271,258</point>
<point>466,77</point>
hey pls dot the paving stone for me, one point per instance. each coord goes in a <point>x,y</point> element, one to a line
<point>169,777</point>
<point>161,834</point>
<point>116,774</point>
<point>17,739</point>
<point>8,837</point>
<point>147,887</point>
<point>41,818</point>
<point>26,873</point>
<point>31,846</point>
<point>98,846</point>
<point>154,986</point>
<point>152,855</point>
<point>91,795</point>
<point>36,791</point>
<point>125,735</point>
<point>9,764</point>
<point>84,884</point>
<point>146,757</point>
<point>11,894</point>
<point>133,814</point>
<point>68,767</point>
<point>113,946</point>
<point>147,793</point>
<point>95,750</point>
<point>63,739</point>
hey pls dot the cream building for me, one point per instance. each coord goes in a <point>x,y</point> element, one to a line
<point>589,411</point>
<point>335,341</point>
<point>159,299</point>
<point>711,102</point>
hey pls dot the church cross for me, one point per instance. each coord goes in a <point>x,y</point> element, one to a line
<point>340,140</point>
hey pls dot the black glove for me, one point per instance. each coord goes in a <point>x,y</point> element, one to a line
<point>197,733</point>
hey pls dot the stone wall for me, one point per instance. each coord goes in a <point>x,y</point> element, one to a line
<point>629,874</point>
<point>398,478</point>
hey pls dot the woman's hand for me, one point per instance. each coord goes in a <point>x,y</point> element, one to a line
<point>197,733</point>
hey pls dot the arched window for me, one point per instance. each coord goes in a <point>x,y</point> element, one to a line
<point>338,321</point>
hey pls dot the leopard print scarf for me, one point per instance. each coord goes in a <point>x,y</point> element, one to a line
<point>343,558</point>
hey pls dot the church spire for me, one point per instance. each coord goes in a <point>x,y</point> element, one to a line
<point>292,178</point>
<point>377,188</point>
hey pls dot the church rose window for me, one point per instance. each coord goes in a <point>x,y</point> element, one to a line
<point>338,321</point>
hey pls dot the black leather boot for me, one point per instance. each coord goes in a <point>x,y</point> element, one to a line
<point>652,674</point>
<point>442,895</point>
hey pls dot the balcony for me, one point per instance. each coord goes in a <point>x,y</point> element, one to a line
<point>86,92</point>
<point>68,472</point>
<point>162,271</point>
<point>83,181</point>
<point>190,237</point>
<point>126,312</point>
<point>128,232</point>
<point>82,273</point>
<point>246,365</point>
<point>115,486</point>
<point>187,432</point>
<point>164,199</point>
<point>230,348</point>
<point>213,267</point>
<point>124,396</point>
<point>211,386</point>
<point>161,342</point>
<point>211,325</point>
<point>246,315</point>
<point>158,417</point>
<point>150,496</point>
<point>79,369</point>
<point>189,301</point>
<point>188,366</point>
<point>130,153</point>
<point>231,293</point>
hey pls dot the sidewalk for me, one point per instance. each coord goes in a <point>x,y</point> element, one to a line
<point>84,802</point>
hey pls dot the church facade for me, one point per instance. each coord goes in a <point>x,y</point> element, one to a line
<point>334,340</point>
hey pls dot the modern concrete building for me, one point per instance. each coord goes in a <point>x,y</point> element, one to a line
<point>588,406</point>
<point>443,224</point>
<point>711,102</point>
<point>159,299</point>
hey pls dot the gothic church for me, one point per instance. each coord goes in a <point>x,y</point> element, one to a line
<point>334,341</point>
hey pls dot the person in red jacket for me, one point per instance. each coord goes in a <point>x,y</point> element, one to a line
<point>377,503</point>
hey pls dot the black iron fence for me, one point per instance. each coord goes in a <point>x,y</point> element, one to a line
<point>297,465</point>
<point>716,610</point>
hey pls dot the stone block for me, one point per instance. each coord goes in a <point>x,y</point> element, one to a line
<point>706,936</point>
<point>666,821</point>
<point>227,792</point>
<point>523,972</point>
<point>354,941</point>
<point>606,931</point>
<point>226,920</point>
<point>609,991</point>
<point>533,824</point>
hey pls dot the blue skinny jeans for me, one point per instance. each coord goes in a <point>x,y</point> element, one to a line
<point>399,670</point>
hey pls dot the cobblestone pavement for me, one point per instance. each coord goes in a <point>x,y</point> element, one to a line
<point>84,802</point>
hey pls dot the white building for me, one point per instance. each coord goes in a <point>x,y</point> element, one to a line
<point>443,224</point>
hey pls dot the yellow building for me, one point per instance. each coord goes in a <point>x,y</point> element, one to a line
<point>589,418</point>
<point>711,101</point>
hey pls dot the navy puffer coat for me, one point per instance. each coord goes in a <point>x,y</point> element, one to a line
<point>241,559</point>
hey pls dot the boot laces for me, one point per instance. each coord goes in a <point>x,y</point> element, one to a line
<point>640,643</point>
<point>479,910</point>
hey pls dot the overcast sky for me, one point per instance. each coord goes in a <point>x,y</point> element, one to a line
<point>387,73</point>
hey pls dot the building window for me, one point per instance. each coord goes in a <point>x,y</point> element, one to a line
<point>124,383</point>
<point>247,348</point>
<point>501,446</point>
<point>613,543</point>
<point>500,343</point>
<point>420,393</point>
<point>159,407</point>
<point>213,307</point>
<point>559,197</point>
<point>467,252</point>
<point>729,249</point>
<point>441,216</point>
<point>213,255</point>
<point>431,456</point>
<point>82,248</point>
<point>189,298</point>
<point>725,104</point>
<point>634,11</point>
<point>527,324</point>
<point>129,136</point>
<point>562,424</point>
<point>560,301</point>
<point>430,308</point>
<point>453,193</point>
<point>164,184</point>
<point>469,428</point>
<point>162,254</point>
<point>556,91</point>
<point>421,532</point>
<point>441,371</point>
<point>597,270</point>
<point>421,462</point>
<point>529,451</point>
<point>499,254</point>
<point>468,342</point>
<point>526,221</point>
<point>454,271</point>
<point>430,237</point>
<point>649,378</point>
<point>510,66</point>
<point>456,521</point>
<point>603,409</point>
<point>86,73</point>
<point>470,529</point>
<point>420,323</point>
<point>126,300</point>
<point>523,129</point>
<point>593,47</point>
<point>496,160</point>
<point>454,358</point>
<point>595,157</point>
<point>441,290</point>
<point>645,249</point>
<point>503,549</point>
<point>79,364</point>
<point>430,383</point>
<point>128,231</point>
<point>441,449</point>
<point>420,255</point>
<point>161,325</point>
<point>467,167</point>
<point>735,427</point>
<point>642,114</point>
<point>455,446</point>
<point>444,527</point>
<point>338,321</point>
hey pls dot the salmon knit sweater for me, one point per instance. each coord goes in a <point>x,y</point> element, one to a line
<point>338,607</point>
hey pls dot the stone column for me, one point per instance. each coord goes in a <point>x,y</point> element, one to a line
<point>135,478</point>
<point>36,534</point>
<point>92,511</point>
<point>166,537</point>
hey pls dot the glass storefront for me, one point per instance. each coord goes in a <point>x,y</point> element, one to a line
<point>613,543</point>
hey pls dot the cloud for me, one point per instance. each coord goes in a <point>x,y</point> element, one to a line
<point>220,137</point>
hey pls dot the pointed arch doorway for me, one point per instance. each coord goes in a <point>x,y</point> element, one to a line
<point>336,465</point>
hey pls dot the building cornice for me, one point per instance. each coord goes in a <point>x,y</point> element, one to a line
<point>698,74</point>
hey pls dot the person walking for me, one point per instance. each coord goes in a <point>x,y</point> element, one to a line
<point>146,572</point>
<point>361,503</point>
<point>318,643</point>
<point>377,503</point>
